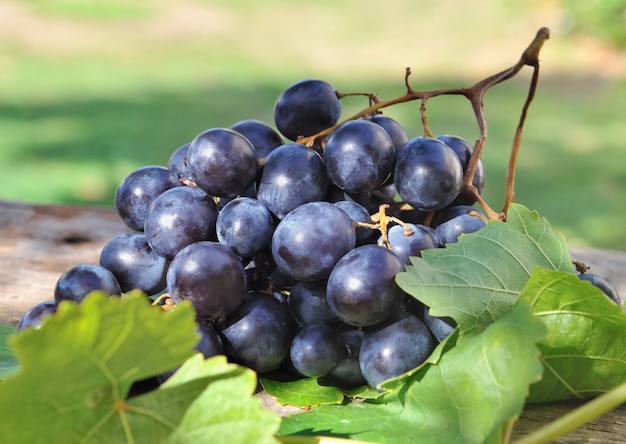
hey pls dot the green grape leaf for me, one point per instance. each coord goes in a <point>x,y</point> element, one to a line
<point>584,353</point>
<point>301,392</point>
<point>469,396</point>
<point>8,363</point>
<point>77,369</point>
<point>225,411</point>
<point>478,279</point>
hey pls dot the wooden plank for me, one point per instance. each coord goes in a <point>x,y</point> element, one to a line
<point>39,242</point>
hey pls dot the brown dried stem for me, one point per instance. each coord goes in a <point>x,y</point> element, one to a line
<point>475,94</point>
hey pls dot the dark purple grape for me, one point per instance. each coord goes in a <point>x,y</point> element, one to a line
<point>177,162</point>
<point>393,348</point>
<point>134,264</point>
<point>179,217</point>
<point>357,213</point>
<point>449,231</point>
<point>395,130</point>
<point>245,225</point>
<point>82,279</point>
<point>306,108</point>
<point>256,279</point>
<point>210,343</point>
<point>222,162</point>
<point>413,306</point>
<point>453,211</point>
<point>367,200</point>
<point>291,175</point>
<point>308,242</point>
<point>262,136</point>
<point>347,372</point>
<point>407,245</point>
<point>464,150</point>
<point>308,305</point>
<point>439,327</point>
<point>359,156</point>
<point>137,191</point>
<point>210,276</point>
<point>607,288</point>
<point>265,264</point>
<point>258,333</point>
<point>428,174</point>
<point>35,315</point>
<point>361,289</point>
<point>315,350</point>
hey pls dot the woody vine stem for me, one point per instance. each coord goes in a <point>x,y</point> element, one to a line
<point>475,94</point>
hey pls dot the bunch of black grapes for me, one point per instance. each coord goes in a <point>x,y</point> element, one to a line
<point>275,244</point>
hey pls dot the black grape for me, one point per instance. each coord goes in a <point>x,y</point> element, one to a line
<point>138,190</point>
<point>361,289</point>
<point>464,150</point>
<point>347,373</point>
<point>308,242</point>
<point>82,279</point>
<point>393,348</point>
<point>262,136</point>
<point>177,162</point>
<point>453,211</point>
<point>359,156</point>
<point>210,276</point>
<point>395,130</point>
<point>308,305</point>
<point>428,174</point>
<point>179,217</point>
<point>258,333</point>
<point>358,213</point>
<point>290,176</point>
<point>439,327</point>
<point>405,246</point>
<point>315,350</point>
<point>134,264</point>
<point>35,315</point>
<point>222,162</point>
<point>449,231</point>
<point>245,225</point>
<point>306,108</point>
<point>210,343</point>
<point>607,288</point>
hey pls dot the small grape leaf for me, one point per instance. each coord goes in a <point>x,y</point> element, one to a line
<point>8,363</point>
<point>478,279</point>
<point>584,353</point>
<point>468,397</point>
<point>300,392</point>
<point>77,369</point>
<point>225,411</point>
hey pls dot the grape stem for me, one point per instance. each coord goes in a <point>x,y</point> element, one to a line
<point>475,94</point>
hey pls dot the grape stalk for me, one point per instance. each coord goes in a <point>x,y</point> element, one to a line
<point>475,94</point>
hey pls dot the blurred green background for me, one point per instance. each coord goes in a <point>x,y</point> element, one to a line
<point>90,90</point>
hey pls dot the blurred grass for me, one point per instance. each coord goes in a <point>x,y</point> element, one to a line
<point>91,90</point>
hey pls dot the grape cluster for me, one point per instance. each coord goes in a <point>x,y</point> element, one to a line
<point>287,251</point>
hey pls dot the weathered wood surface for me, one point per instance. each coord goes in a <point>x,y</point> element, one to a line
<point>39,242</point>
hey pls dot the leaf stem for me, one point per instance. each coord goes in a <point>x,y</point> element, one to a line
<point>576,418</point>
